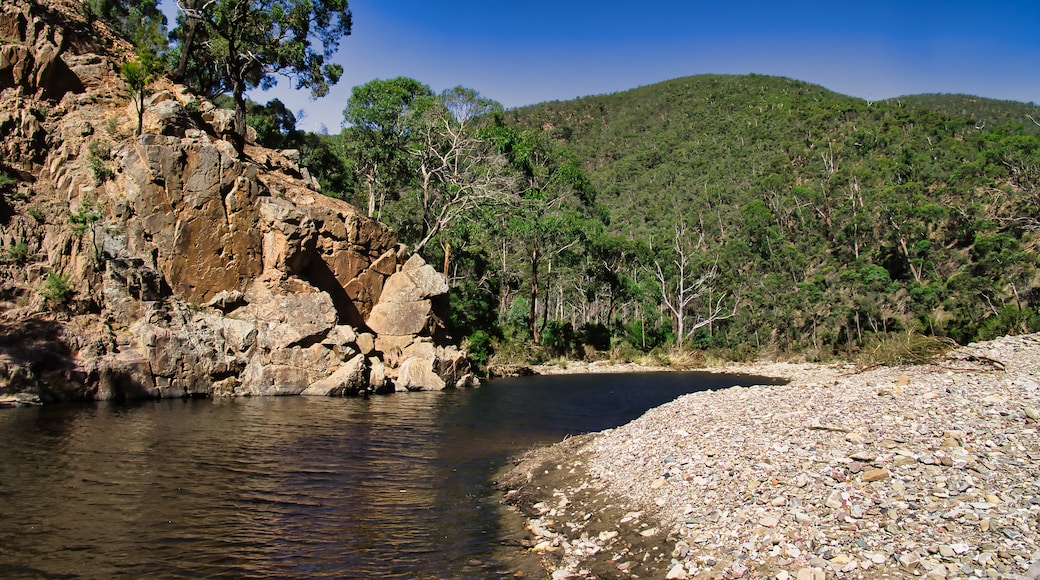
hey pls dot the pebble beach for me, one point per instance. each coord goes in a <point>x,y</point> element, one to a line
<point>916,471</point>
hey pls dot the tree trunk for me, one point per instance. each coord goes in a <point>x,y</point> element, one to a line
<point>909,261</point>
<point>239,94</point>
<point>545,303</point>
<point>532,315</point>
<point>371,200</point>
<point>186,46</point>
<point>140,111</point>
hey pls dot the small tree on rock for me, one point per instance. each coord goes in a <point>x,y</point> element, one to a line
<point>138,75</point>
<point>248,42</point>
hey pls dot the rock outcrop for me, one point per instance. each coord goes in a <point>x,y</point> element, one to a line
<point>166,264</point>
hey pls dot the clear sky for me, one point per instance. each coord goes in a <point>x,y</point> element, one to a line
<point>521,53</point>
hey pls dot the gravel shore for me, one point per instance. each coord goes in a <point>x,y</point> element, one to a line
<point>930,470</point>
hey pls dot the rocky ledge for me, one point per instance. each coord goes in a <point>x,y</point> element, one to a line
<point>158,261</point>
<point>927,471</point>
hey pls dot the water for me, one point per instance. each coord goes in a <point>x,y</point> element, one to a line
<point>300,487</point>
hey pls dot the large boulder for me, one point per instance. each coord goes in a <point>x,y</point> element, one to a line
<point>197,206</point>
<point>405,306</point>
<point>417,374</point>
<point>349,379</point>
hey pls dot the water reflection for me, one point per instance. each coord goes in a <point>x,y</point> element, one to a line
<point>298,487</point>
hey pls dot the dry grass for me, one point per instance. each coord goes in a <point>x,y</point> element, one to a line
<point>902,349</point>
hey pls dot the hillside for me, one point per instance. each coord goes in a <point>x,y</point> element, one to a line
<point>985,112</point>
<point>833,219</point>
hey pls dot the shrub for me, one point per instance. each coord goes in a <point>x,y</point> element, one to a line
<point>479,347</point>
<point>36,214</point>
<point>1010,320</point>
<point>98,157</point>
<point>596,335</point>
<point>7,182</point>
<point>18,253</point>
<point>559,337</point>
<point>908,348</point>
<point>84,218</point>
<point>57,288</point>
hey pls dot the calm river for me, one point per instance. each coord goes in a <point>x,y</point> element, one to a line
<point>298,487</point>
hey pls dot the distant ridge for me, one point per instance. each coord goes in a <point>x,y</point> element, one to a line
<point>986,112</point>
<point>832,217</point>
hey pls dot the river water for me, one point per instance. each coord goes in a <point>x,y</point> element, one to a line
<point>399,486</point>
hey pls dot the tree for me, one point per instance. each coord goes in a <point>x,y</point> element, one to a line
<point>458,170</point>
<point>142,22</point>
<point>615,257</point>
<point>683,285</point>
<point>554,200</point>
<point>275,125</point>
<point>378,114</point>
<point>251,41</point>
<point>139,74</point>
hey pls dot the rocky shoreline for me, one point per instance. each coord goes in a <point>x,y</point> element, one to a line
<point>930,470</point>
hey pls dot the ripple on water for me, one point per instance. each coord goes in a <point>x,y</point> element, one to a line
<point>300,487</point>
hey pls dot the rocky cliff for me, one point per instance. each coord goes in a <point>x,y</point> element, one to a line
<point>165,264</point>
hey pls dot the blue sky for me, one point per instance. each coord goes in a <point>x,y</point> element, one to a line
<point>521,53</point>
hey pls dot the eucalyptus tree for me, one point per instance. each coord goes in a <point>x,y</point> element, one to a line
<point>246,43</point>
<point>614,264</point>
<point>458,170</point>
<point>379,115</point>
<point>687,285</point>
<point>554,203</point>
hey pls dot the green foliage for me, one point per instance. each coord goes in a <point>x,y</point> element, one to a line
<point>325,158</point>
<point>238,45</point>
<point>142,22</point>
<point>99,155</point>
<point>1010,320</point>
<point>832,219</point>
<point>57,289</point>
<point>835,225</point>
<point>7,182</point>
<point>479,347</point>
<point>983,112</point>
<point>379,114</point>
<point>36,214</point>
<point>86,215</point>
<point>559,338</point>
<point>275,125</point>
<point>18,253</point>
<point>138,74</point>
<point>83,221</point>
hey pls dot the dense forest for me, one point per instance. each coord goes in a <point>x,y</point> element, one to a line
<point>737,213</point>
<point>742,214</point>
<point>830,220</point>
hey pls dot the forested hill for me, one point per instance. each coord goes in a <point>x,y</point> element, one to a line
<point>832,218</point>
<point>987,113</point>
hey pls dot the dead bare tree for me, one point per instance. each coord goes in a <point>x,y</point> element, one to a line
<point>458,171</point>
<point>682,290</point>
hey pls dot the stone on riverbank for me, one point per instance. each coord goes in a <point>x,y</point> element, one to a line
<point>837,474</point>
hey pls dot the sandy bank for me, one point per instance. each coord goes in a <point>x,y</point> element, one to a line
<point>913,471</point>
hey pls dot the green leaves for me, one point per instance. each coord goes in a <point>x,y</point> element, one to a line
<point>379,116</point>
<point>239,45</point>
<point>833,218</point>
